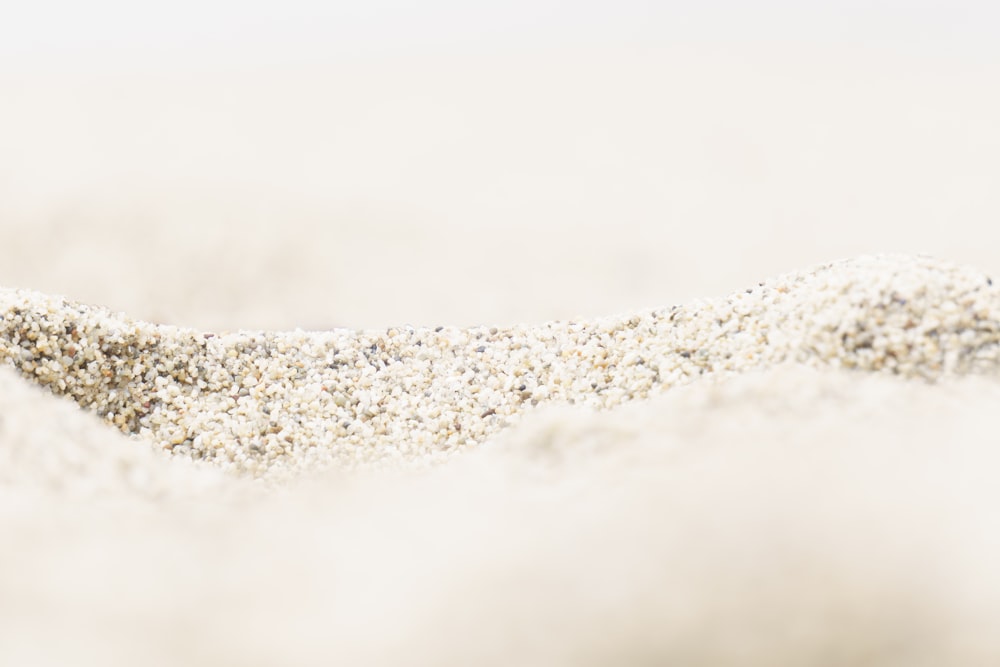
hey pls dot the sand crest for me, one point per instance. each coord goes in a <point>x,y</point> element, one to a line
<point>269,402</point>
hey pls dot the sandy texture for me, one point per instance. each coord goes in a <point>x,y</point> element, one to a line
<point>274,403</point>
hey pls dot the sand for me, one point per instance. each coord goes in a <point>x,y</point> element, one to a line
<point>786,510</point>
<point>795,510</point>
<point>273,404</point>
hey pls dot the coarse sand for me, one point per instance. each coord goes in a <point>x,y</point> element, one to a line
<point>267,403</point>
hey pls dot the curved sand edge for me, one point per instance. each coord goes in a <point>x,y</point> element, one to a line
<point>266,403</point>
<point>49,447</point>
<point>690,528</point>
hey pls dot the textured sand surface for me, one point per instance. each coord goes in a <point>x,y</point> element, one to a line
<point>273,402</point>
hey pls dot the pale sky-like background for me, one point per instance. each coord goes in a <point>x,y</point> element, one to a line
<point>211,30</point>
<point>366,164</point>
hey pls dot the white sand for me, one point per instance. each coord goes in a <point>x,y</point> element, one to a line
<point>271,404</point>
<point>788,515</point>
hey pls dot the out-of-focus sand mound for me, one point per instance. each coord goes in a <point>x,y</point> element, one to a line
<point>49,445</point>
<point>790,516</point>
<point>522,186</point>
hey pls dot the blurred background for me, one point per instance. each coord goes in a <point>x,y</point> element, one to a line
<point>229,165</point>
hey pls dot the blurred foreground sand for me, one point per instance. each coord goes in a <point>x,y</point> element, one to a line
<point>784,516</point>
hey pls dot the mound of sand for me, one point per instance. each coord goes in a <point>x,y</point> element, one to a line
<point>782,513</point>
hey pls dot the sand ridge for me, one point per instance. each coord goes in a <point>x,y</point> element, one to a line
<point>266,403</point>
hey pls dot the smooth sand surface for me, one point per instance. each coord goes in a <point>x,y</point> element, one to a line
<point>785,516</point>
<point>790,514</point>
